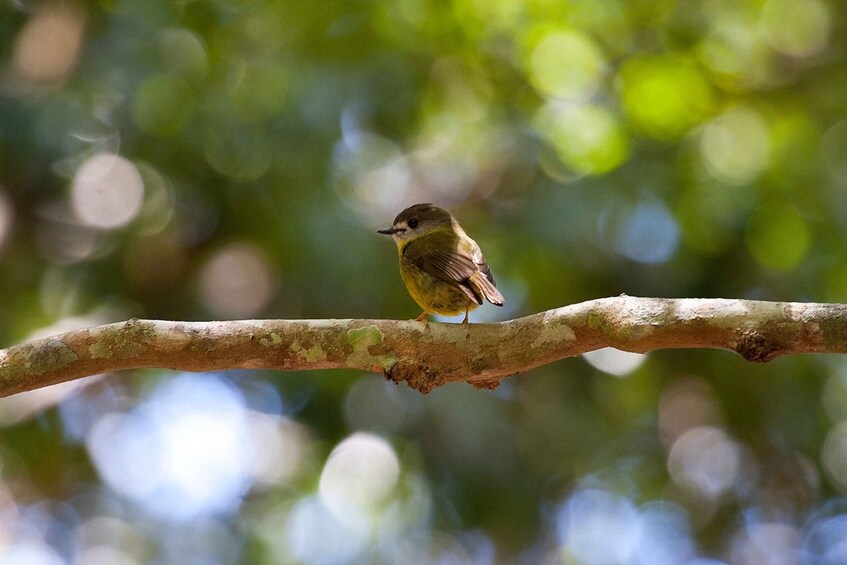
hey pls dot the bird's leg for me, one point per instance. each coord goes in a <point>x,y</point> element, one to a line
<point>465,321</point>
<point>422,317</point>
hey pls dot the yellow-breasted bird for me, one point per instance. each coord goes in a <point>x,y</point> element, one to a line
<point>443,269</point>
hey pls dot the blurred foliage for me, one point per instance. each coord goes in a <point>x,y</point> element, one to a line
<point>217,159</point>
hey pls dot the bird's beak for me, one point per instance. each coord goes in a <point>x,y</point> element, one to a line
<point>388,231</point>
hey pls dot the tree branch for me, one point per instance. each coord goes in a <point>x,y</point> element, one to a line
<point>435,354</point>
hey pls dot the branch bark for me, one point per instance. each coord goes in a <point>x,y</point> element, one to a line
<point>427,356</point>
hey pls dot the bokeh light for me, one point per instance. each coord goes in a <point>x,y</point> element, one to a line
<point>372,172</point>
<point>834,394</point>
<point>614,361</point>
<point>566,64</point>
<point>63,241</point>
<point>185,52</point>
<point>158,209</point>
<point>30,553</point>
<point>664,96</point>
<point>834,454</point>
<point>665,535</point>
<point>596,527</point>
<point>797,28</point>
<point>647,234</point>
<point>735,146</point>
<point>184,455</point>
<point>444,170</point>
<point>685,404</point>
<point>360,473</point>
<point>318,534</point>
<point>237,281</point>
<point>587,138</point>
<point>825,533</point>
<point>47,47</point>
<point>106,539</point>
<point>739,59</point>
<point>107,191</point>
<point>767,543</point>
<point>705,460</point>
<point>192,450</point>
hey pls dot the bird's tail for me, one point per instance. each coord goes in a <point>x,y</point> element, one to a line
<point>485,287</point>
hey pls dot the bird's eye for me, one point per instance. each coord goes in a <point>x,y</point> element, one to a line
<point>413,223</point>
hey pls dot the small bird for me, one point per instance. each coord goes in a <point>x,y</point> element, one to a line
<point>442,267</point>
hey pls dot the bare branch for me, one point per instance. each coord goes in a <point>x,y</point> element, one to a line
<point>435,354</point>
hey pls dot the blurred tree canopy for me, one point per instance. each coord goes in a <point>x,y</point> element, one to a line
<point>214,159</point>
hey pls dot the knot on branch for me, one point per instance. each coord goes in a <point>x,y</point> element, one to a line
<point>424,377</point>
<point>419,377</point>
<point>756,347</point>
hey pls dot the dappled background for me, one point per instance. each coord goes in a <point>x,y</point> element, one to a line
<point>215,159</point>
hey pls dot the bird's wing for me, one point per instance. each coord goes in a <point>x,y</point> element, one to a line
<point>451,267</point>
<point>471,275</point>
